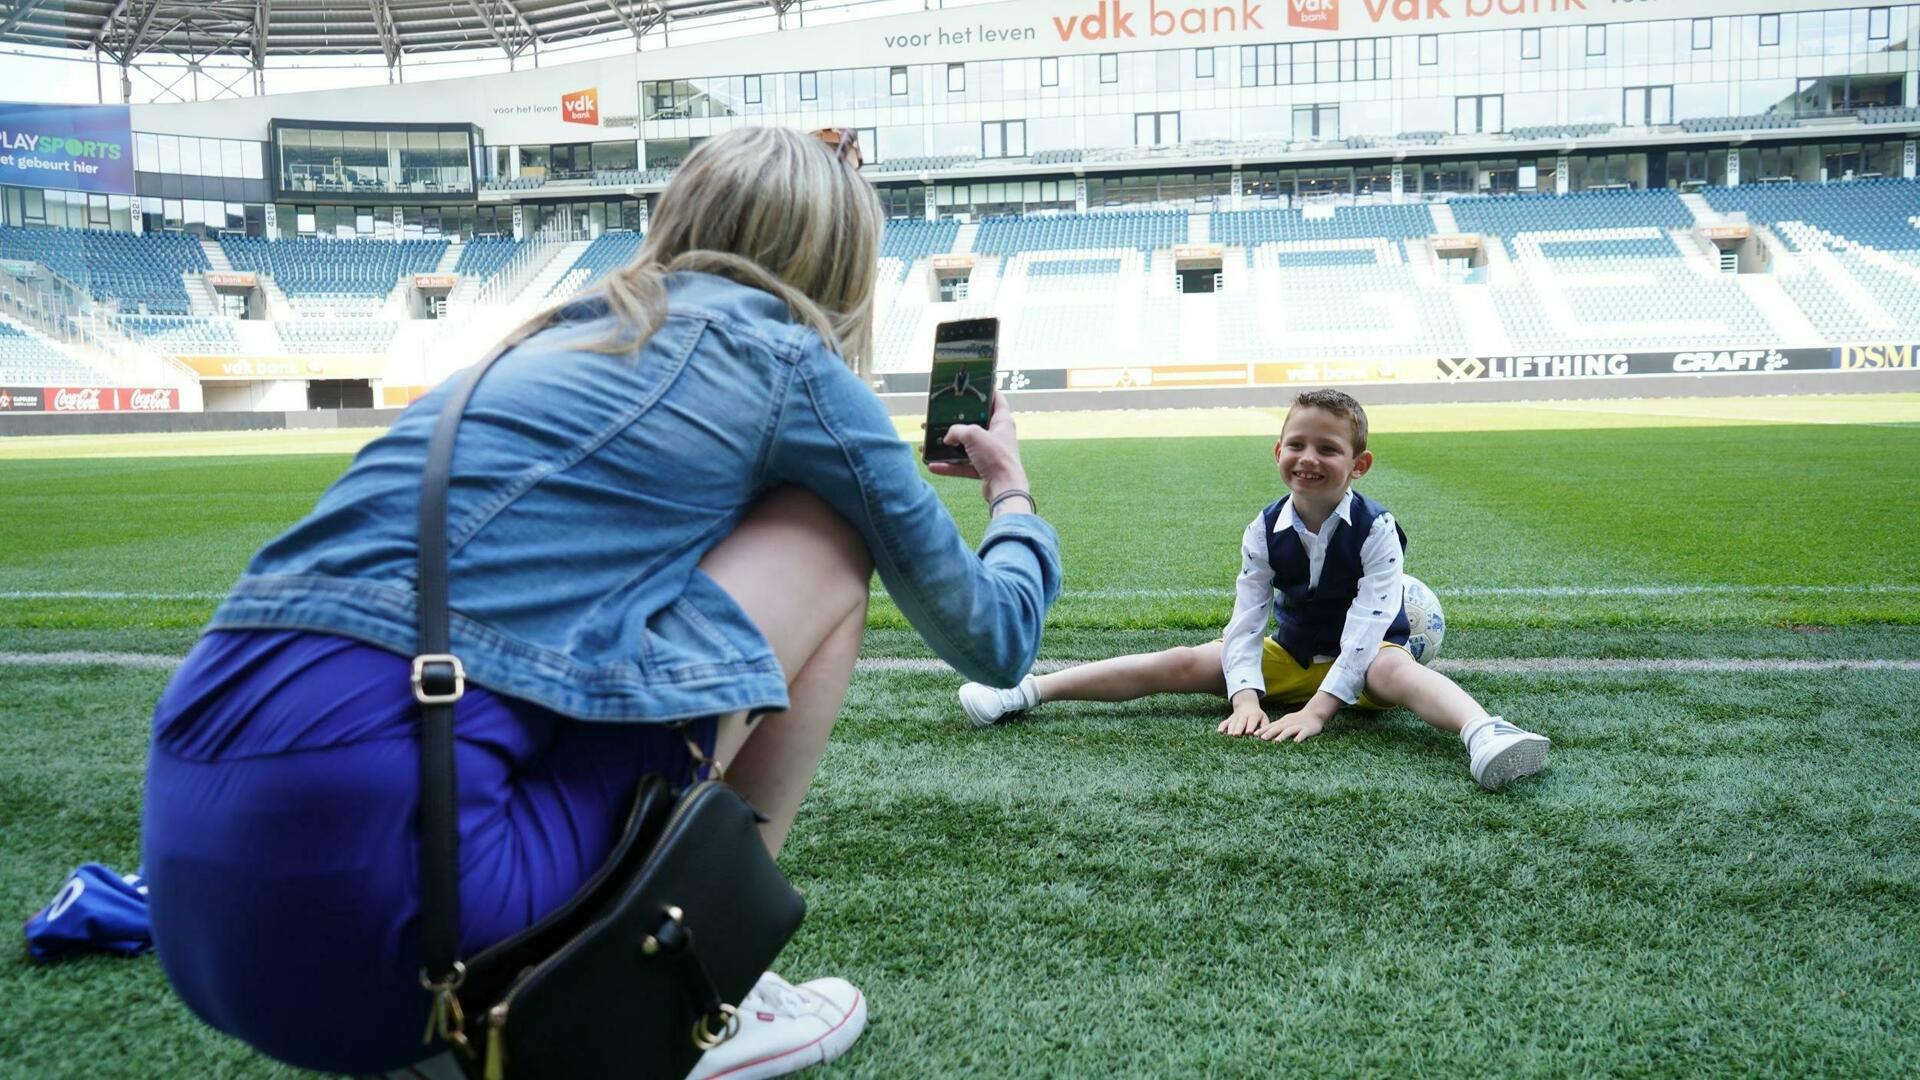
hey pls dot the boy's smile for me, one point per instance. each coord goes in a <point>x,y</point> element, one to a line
<point>1315,457</point>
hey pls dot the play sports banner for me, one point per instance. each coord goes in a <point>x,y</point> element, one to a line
<point>75,147</point>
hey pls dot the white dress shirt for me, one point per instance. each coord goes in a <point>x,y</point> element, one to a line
<point>1379,591</point>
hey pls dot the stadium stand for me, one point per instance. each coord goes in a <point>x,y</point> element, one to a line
<point>1854,251</point>
<point>610,251</point>
<point>1559,131</point>
<point>334,268</point>
<point>1873,213</point>
<point>1388,307</point>
<point>1144,230</point>
<point>336,335</point>
<point>911,240</point>
<point>484,256</point>
<point>181,335</point>
<point>1707,125</point>
<point>1889,114</point>
<point>1511,215</point>
<point>28,358</point>
<point>1346,223</point>
<point>135,270</point>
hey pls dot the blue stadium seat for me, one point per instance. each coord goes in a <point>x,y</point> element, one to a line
<point>485,256</point>
<point>908,240</point>
<point>27,358</point>
<point>1145,230</point>
<point>1876,213</point>
<point>179,335</point>
<point>134,269</point>
<point>325,267</point>
<point>1250,227</point>
<point>609,252</point>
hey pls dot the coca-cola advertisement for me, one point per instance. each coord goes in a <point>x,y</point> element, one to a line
<point>143,399</point>
<point>89,399</point>
<point>75,399</point>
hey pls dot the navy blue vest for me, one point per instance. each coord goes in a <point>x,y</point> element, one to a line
<point>1310,620</point>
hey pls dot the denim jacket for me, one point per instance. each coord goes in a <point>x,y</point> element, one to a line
<point>587,487</point>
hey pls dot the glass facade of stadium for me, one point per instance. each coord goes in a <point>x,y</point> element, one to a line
<point>1680,103</point>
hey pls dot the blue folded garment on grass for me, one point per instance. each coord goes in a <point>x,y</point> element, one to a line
<point>97,910</point>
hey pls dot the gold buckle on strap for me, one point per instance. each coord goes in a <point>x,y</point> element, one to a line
<point>707,1035</point>
<point>427,697</point>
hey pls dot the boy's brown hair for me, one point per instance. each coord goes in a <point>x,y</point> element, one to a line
<point>1339,404</point>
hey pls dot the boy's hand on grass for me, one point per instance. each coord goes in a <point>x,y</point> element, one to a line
<point>1296,726</point>
<point>1247,716</point>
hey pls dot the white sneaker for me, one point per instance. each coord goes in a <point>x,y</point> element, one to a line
<point>985,705</point>
<point>785,1028</point>
<point>1501,753</point>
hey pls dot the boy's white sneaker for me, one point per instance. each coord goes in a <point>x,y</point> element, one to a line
<point>986,705</point>
<point>785,1028</point>
<point>1500,753</point>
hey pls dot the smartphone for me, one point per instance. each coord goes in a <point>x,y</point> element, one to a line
<point>965,352</point>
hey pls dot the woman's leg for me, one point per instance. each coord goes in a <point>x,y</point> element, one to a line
<point>1182,669</point>
<point>801,573</point>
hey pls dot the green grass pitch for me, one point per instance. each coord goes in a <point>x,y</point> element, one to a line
<point>1718,875</point>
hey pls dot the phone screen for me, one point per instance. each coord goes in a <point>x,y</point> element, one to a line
<point>961,391</point>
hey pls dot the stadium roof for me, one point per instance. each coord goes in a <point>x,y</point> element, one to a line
<point>258,29</point>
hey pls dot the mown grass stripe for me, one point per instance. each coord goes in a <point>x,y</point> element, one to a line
<point>1466,591</point>
<point>1513,665</point>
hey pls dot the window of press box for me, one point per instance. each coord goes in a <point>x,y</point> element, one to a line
<point>904,202</point>
<point>371,161</point>
<point>1177,190</point>
<point>571,161</point>
<point>988,199</point>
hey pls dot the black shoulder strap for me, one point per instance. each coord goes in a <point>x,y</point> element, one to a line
<point>439,680</point>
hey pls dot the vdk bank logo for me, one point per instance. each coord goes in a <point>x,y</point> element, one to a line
<point>1314,14</point>
<point>581,107</point>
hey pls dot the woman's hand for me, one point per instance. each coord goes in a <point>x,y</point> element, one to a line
<point>993,455</point>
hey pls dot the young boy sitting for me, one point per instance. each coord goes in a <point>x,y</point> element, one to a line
<point>1332,558</point>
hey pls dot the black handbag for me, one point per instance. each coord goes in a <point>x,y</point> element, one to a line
<point>638,973</point>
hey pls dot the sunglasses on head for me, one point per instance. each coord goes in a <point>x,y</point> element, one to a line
<point>844,142</point>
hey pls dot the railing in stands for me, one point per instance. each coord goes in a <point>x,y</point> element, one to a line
<point>506,286</point>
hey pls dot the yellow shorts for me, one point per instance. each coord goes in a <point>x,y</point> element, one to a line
<point>1290,684</point>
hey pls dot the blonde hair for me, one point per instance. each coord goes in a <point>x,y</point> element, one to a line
<point>767,207</point>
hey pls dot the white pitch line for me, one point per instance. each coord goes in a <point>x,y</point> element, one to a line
<point>1525,665</point>
<point>75,658</point>
<point>1512,665</point>
<point>1541,592</point>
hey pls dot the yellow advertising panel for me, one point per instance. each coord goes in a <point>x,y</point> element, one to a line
<point>319,366</point>
<point>1345,371</point>
<point>1179,375</point>
<point>1877,357</point>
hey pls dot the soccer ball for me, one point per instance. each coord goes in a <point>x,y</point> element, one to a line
<point>1426,623</point>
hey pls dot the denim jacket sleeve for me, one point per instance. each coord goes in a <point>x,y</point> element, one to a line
<point>981,612</point>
